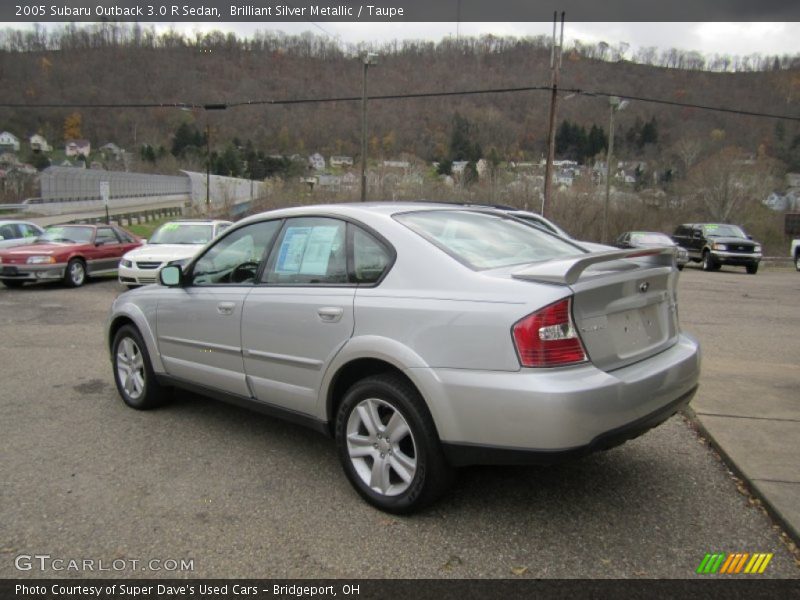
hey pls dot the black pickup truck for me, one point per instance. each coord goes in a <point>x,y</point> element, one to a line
<point>717,244</point>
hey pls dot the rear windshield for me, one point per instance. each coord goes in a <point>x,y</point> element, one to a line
<point>486,241</point>
<point>651,239</point>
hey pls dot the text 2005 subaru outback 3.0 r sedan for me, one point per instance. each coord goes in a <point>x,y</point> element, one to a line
<point>421,336</point>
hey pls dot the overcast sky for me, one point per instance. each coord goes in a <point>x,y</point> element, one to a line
<point>707,38</point>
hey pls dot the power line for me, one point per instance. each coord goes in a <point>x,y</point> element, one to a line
<point>293,101</point>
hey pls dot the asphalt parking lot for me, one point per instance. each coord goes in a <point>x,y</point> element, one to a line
<point>245,495</point>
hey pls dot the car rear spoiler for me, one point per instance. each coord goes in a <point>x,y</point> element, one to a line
<point>567,271</point>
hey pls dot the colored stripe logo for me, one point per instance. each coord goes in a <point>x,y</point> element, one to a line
<point>735,563</point>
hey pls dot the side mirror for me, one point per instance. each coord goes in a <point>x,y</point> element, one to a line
<point>170,276</point>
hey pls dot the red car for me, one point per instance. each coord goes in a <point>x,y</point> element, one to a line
<point>67,252</point>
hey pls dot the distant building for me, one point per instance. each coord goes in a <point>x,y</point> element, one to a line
<point>39,144</point>
<point>9,142</point>
<point>459,166</point>
<point>316,161</point>
<point>111,150</point>
<point>78,147</point>
<point>397,164</point>
<point>341,161</point>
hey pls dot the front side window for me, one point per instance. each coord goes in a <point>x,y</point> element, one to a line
<point>486,241</point>
<point>8,231</point>
<point>310,250</point>
<point>236,258</point>
<point>106,235</point>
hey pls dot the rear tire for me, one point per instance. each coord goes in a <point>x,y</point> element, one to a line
<point>388,445</point>
<point>797,261</point>
<point>133,371</point>
<point>75,273</point>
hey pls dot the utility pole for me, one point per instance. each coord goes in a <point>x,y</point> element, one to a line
<point>555,66</point>
<point>207,108</point>
<point>368,59</point>
<point>614,104</point>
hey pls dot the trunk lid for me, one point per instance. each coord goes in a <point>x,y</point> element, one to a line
<point>624,301</point>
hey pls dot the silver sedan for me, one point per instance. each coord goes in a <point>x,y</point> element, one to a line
<point>421,337</point>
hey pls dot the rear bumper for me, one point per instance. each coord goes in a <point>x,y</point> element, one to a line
<point>467,454</point>
<point>493,416</point>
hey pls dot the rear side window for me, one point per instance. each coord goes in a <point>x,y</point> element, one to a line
<point>486,241</point>
<point>370,257</point>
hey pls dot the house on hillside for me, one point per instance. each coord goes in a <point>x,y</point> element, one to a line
<point>78,147</point>
<point>9,142</point>
<point>341,161</point>
<point>39,144</point>
<point>316,161</point>
<point>111,151</point>
<point>397,164</point>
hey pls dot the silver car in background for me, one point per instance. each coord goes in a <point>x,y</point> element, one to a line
<point>422,337</point>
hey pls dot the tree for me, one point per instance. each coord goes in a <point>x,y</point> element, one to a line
<point>725,185</point>
<point>72,126</point>
<point>186,136</point>
<point>461,145</point>
<point>147,153</point>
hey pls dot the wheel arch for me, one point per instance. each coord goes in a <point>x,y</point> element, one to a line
<point>132,316</point>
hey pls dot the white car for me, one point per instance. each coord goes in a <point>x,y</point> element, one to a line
<point>176,240</point>
<point>17,233</point>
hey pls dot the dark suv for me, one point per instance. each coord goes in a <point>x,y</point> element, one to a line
<point>717,244</point>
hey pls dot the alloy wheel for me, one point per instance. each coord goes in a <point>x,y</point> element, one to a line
<point>130,368</point>
<point>381,447</point>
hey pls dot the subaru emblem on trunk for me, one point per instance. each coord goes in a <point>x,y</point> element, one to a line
<point>643,287</point>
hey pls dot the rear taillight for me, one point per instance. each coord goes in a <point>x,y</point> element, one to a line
<point>547,338</point>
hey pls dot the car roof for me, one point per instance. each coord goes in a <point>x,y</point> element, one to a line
<point>199,221</point>
<point>356,209</point>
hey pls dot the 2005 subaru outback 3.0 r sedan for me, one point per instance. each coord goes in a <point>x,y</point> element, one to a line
<point>421,336</point>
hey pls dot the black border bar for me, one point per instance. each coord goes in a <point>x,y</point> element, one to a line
<point>746,587</point>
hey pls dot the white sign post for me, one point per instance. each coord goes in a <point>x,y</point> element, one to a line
<point>104,194</point>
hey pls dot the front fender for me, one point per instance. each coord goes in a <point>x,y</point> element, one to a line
<point>128,311</point>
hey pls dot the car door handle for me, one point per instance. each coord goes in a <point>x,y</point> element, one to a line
<point>226,308</point>
<point>330,314</point>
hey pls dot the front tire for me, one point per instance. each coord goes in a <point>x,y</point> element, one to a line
<point>709,264</point>
<point>75,273</point>
<point>13,283</point>
<point>388,445</point>
<point>752,269</point>
<point>133,371</point>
